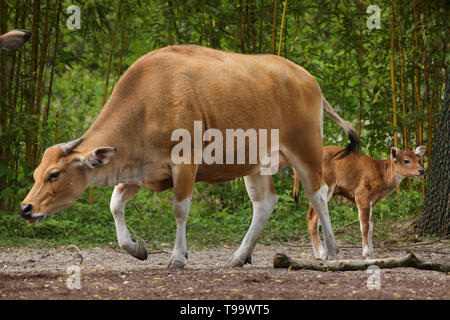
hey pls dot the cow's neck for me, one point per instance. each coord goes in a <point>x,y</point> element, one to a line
<point>123,168</point>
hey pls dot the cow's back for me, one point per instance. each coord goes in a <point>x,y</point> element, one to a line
<point>172,87</point>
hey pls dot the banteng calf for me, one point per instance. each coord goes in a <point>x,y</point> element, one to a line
<point>364,181</point>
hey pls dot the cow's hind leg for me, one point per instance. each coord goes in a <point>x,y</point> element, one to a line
<point>262,194</point>
<point>308,163</point>
<point>121,195</point>
<point>183,185</point>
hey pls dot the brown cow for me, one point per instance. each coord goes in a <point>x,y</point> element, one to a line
<point>176,90</point>
<point>364,181</point>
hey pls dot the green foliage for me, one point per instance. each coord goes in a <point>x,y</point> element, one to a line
<point>330,39</point>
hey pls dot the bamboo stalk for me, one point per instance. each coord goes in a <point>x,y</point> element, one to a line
<point>43,58</point>
<point>261,24</point>
<point>294,38</point>
<point>282,26</point>
<point>122,45</point>
<point>3,98</point>
<point>111,51</point>
<point>172,14</point>
<point>274,25</point>
<point>403,91</point>
<point>108,70</point>
<point>394,100</point>
<point>55,49</point>
<point>253,27</point>
<point>31,139</point>
<point>427,88</point>
<point>417,86</point>
<point>360,81</point>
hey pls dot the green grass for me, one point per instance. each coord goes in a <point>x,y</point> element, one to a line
<point>220,214</point>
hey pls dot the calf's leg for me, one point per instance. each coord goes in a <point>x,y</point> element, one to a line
<point>313,229</point>
<point>365,219</point>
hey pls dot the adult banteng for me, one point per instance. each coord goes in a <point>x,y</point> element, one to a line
<point>130,144</point>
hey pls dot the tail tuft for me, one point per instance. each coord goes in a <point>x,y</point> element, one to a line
<point>353,137</point>
<point>352,147</point>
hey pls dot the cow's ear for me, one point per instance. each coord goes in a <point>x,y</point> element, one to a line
<point>420,151</point>
<point>394,153</point>
<point>100,157</point>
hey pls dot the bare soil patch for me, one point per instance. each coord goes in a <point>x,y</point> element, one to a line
<point>29,273</point>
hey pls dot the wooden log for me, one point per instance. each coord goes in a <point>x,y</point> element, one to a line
<point>410,260</point>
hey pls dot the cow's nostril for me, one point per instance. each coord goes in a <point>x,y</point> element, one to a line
<point>25,210</point>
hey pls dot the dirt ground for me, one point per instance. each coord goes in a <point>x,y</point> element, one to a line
<point>106,273</point>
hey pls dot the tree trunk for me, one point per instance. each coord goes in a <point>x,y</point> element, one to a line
<point>435,218</point>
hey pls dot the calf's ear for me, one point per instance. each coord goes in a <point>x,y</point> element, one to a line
<point>394,153</point>
<point>420,151</point>
<point>100,157</point>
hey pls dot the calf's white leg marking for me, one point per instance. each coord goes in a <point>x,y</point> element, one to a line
<point>368,247</point>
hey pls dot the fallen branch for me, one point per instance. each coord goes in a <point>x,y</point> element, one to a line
<point>78,253</point>
<point>410,260</point>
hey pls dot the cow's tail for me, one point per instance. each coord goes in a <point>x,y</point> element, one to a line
<point>354,140</point>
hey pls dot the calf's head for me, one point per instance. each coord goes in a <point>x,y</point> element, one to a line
<point>61,178</point>
<point>406,162</point>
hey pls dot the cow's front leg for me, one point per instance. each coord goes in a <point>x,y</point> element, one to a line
<point>183,185</point>
<point>262,194</point>
<point>121,195</point>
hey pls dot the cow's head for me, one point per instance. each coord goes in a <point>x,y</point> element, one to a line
<point>14,39</point>
<point>61,178</point>
<point>406,162</point>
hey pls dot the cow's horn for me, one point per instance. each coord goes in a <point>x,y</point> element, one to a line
<point>68,147</point>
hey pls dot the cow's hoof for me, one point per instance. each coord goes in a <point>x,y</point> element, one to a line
<point>331,254</point>
<point>236,263</point>
<point>140,253</point>
<point>233,263</point>
<point>175,264</point>
<point>332,257</point>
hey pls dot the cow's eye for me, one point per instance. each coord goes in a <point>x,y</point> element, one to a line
<point>406,161</point>
<point>53,176</point>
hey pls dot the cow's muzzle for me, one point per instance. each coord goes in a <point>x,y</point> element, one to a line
<point>26,212</point>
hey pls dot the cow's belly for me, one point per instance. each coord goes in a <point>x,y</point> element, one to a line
<point>222,172</point>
